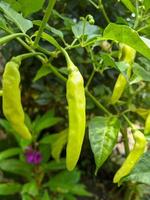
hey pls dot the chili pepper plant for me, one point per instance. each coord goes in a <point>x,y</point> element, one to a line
<point>75,103</point>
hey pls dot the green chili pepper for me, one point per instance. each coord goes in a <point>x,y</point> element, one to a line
<point>77,113</point>
<point>128,55</point>
<point>147,125</point>
<point>12,106</point>
<point>133,157</point>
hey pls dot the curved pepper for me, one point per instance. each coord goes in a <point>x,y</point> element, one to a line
<point>128,55</point>
<point>12,107</point>
<point>133,157</point>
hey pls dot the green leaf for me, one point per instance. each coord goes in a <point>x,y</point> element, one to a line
<point>107,60</point>
<point>49,39</point>
<point>9,188</point>
<point>50,28</point>
<point>139,73</point>
<point>129,5</point>
<point>141,171</point>
<point>49,139</point>
<point>43,71</point>
<point>103,133</point>
<point>14,4</point>
<point>46,196</point>
<point>9,153</point>
<point>23,6</point>
<point>68,22</point>
<point>67,182</point>
<point>127,35</point>
<point>26,197</point>
<point>146,3</point>
<point>3,24</point>
<point>69,197</point>
<point>45,121</point>
<point>30,188</point>
<point>28,121</point>
<point>145,30</point>
<point>64,181</point>
<point>146,41</point>
<point>122,66</point>
<point>16,167</point>
<point>28,7</point>
<point>59,143</point>
<point>80,189</point>
<point>85,29</point>
<point>6,125</point>
<point>23,24</point>
<point>54,165</point>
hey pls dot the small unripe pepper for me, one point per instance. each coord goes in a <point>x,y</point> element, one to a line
<point>12,107</point>
<point>128,55</point>
<point>133,157</point>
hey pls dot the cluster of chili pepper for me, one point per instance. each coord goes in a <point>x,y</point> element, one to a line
<point>75,94</point>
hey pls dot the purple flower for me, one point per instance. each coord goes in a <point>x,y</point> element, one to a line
<point>33,156</point>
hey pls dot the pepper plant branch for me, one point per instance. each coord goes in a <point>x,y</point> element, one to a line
<point>94,67</point>
<point>90,78</point>
<point>26,46</point>
<point>44,21</point>
<point>99,105</point>
<point>137,19</point>
<point>129,122</point>
<point>101,7</point>
<point>125,141</point>
<point>57,73</point>
<point>94,4</point>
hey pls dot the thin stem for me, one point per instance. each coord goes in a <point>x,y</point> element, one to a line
<point>94,4</point>
<point>94,67</point>
<point>101,7</point>
<point>72,47</point>
<point>142,28</point>
<point>90,78</point>
<point>26,46</point>
<point>70,64</point>
<point>129,193</point>
<point>129,122</point>
<point>30,49</point>
<point>28,55</point>
<point>125,140</point>
<point>44,21</point>
<point>83,31</point>
<point>45,51</point>
<point>99,105</point>
<point>137,16</point>
<point>57,73</point>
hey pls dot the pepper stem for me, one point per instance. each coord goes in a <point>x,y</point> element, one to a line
<point>19,58</point>
<point>70,64</point>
